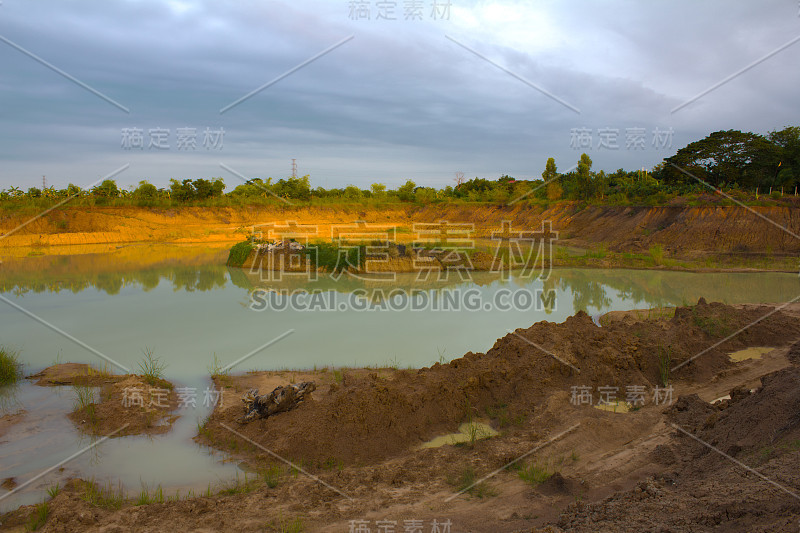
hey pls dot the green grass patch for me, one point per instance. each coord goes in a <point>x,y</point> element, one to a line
<point>239,253</point>
<point>534,473</point>
<point>84,402</point>
<point>10,367</point>
<point>106,497</point>
<point>466,479</point>
<point>39,517</point>
<point>145,497</point>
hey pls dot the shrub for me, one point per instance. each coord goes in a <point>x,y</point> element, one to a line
<point>239,253</point>
<point>10,367</point>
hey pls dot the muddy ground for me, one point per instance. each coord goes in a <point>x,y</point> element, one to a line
<point>351,455</point>
<point>105,402</point>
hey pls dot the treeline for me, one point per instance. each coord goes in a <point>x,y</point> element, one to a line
<point>741,164</point>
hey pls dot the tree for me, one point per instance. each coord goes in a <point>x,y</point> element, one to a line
<point>107,189</point>
<point>351,192</point>
<point>406,191</point>
<point>181,191</point>
<point>378,190</point>
<point>550,172</point>
<point>145,191</point>
<point>725,157</point>
<point>584,177</point>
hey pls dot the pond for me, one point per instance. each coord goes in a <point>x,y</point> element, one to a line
<point>186,306</point>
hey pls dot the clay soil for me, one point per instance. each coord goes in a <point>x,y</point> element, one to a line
<point>116,401</point>
<point>354,447</point>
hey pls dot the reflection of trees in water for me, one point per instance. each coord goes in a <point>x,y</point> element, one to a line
<point>590,288</point>
<point>182,277</point>
<point>8,399</point>
<point>652,288</point>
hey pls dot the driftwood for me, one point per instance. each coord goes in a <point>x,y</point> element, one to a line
<point>278,401</point>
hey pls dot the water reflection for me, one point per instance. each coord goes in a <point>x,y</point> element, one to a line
<point>597,289</point>
<point>145,267</point>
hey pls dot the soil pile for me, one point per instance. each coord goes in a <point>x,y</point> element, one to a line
<point>104,402</point>
<point>729,467</point>
<point>371,418</point>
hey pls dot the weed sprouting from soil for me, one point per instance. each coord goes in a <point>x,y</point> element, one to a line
<point>272,476</point>
<point>464,480</point>
<point>53,490</point>
<point>657,254</point>
<point>152,367</point>
<point>145,498</point>
<point>84,402</point>
<point>534,473</point>
<point>216,369</point>
<point>108,497</point>
<point>287,525</point>
<point>238,486</point>
<point>39,517</point>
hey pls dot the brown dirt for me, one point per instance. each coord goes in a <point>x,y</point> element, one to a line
<point>681,230</point>
<point>702,489</point>
<point>79,374</point>
<point>107,414</point>
<point>371,418</point>
<point>614,472</point>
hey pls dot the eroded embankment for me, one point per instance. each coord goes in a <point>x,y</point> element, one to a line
<point>679,229</point>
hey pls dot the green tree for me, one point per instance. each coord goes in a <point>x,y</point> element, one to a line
<point>181,191</point>
<point>406,191</point>
<point>550,172</point>
<point>378,190</point>
<point>584,177</point>
<point>107,189</point>
<point>145,191</point>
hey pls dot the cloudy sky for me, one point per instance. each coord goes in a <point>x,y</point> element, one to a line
<point>486,88</point>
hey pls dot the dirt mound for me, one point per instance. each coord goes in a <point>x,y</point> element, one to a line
<point>130,402</point>
<point>79,374</point>
<point>794,354</point>
<point>748,481</point>
<point>371,417</point>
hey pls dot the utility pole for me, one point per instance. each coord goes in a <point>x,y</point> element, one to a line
<point>294,168</point>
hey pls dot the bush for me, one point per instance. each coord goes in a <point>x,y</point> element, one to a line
<point>10,367</point>
<point>239,253</point>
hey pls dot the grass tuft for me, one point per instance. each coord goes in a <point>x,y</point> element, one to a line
<point>108,497</point>
<point>39,517</point>
<point>464,481</point>
<point>533,473</point>
<point>10,367</point>
<point>152,368</point>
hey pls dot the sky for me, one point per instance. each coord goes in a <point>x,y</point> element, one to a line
<point>362,92</point>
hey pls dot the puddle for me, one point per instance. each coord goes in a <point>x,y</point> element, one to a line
<point>616,407</point>
<point>754,352</point>
<point>45,437</point>
<point>466,432</point>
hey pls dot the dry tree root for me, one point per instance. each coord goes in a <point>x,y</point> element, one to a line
<point>278,401</point>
